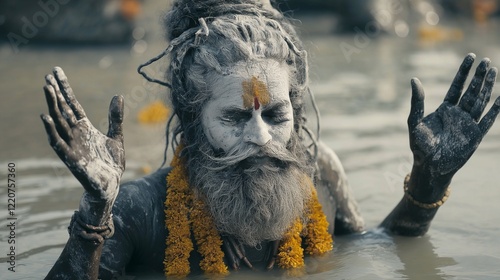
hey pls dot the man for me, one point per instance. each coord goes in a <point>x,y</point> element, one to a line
<point>240,191</point>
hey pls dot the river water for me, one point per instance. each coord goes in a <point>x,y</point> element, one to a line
<point>364,102</point>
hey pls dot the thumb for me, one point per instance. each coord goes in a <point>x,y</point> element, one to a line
<point>115,118</point>
<point>417,104</point>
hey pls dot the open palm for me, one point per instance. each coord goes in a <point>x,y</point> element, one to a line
<point>443,141</point>
<point>95,159</point>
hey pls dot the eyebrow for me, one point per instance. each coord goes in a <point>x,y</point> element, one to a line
<point>278,105</point>
<point>234,110</point>
<point>238,110</point>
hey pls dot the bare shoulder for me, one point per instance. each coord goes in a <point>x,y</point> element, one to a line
<point>151,187</point>
<point>141,200</point>
<point>139,221</point>
<point>331,169</point>
<point>335,194</point>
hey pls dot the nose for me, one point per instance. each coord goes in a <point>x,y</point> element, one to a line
<point>257,131</point>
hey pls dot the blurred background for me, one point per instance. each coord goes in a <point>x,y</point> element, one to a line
<point>362,55</point>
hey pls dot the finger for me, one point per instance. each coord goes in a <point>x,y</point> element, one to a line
<point>458,82</point>
<point>230,257</point>
<point>60,122</point>
<point>484,96</point>
<point>490,117</point>
<point>417,104</point>
<point>470,95</point>
<point>65,110</point>
<point>273,251</point>
<point>55,141</point>
<point>240,253</point>
<point>115,130</point>
<point>68,94</point>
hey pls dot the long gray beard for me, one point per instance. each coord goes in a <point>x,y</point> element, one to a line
<point>252,200</point>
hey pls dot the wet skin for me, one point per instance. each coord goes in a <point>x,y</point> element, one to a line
<point>95,159</point>
<point>456,123</point>
<point>441,142</point>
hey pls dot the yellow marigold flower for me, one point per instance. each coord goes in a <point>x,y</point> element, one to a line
<point>155,112</point>
<point>317,238</point>
<point>291,254</point>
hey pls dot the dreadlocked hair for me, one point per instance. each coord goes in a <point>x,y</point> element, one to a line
<point>211,36</point>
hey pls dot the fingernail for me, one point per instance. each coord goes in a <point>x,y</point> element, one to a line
<point>486,61</point>
<point>45,117</point>
<point>58,70</point>
<point>470,57</point>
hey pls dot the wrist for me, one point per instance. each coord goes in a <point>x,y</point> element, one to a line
<point>426,187</point>
<point>95,211</point>
<point>93,234</point>
<point>434,205</point>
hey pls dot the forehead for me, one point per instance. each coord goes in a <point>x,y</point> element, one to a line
<point>267,79</point>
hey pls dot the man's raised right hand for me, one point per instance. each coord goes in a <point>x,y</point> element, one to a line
<point>95,159</point>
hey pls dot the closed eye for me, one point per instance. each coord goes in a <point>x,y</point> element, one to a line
<point>276,114</point>
<point>275,117</point>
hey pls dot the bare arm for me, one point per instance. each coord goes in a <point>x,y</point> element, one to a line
<point>97,161</point>
<point>441,143</point>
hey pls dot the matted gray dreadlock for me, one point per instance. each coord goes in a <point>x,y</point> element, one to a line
<point>213,35</point>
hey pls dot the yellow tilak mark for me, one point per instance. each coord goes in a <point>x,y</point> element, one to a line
<point>255,93</point>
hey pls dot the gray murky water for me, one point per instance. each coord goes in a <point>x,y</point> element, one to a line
<point>364,104</point>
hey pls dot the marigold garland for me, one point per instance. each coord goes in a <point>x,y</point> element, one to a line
<point>208,240</point>
<point>183,211</point>
<point>317,238</point>
<point>179,197</point>
<point>291,254</point>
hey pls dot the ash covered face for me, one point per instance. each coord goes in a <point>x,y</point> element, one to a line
<point>250,106</point>
<point>250,163</point>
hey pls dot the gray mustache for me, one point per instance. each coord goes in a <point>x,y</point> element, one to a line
<point>239,154</point>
